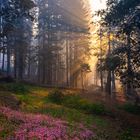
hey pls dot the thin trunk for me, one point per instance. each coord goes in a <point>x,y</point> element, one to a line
<point>43,61</point>
<point>8,61</point>
<point>82,80</point>
<point>101,71</point>
<point>113,82</point>
<point>20,65</point>
<point>109,71</point>
<point>129,67</point>
<point>44,72</point>
<point>15,63</point>
<point>29,70</point>
<point>70,66</point>
<point>29,64</point>
<point>3,59</point>
<point>109,82</point>
<point>67,62</point>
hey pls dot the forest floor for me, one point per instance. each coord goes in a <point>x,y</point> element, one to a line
<point>119,105</point>
<point>100,117</point>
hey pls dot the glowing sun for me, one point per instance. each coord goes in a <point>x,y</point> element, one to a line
<point>98,4</point>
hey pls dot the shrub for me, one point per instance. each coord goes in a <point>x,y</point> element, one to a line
<point>56,96</point>
<point>97,108</point>
<point>72,101</point>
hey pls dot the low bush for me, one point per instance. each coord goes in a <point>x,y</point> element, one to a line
<point>72,101</point>
<point>56,96</point>
<point>96,108</point>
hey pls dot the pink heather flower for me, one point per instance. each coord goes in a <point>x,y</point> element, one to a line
<point>43,127</point>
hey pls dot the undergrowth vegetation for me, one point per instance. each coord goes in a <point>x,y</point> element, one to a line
<point>75,101</point>
<point>17,88</point>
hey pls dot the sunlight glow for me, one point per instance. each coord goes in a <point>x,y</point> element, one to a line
<point>98,4</point>
<point>95,6</point>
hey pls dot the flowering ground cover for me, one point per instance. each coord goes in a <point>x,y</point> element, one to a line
<point>43,127</point>
<point>41,118</point>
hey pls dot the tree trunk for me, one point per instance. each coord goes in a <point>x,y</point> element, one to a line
<point>3,59</point>
<point>101,71</point>
<point>109,79</point>
<point>67,62</point>
<point>8,61</point>
<point>129,67</point>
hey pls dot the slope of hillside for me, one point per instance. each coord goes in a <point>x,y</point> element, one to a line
<point>28,112</point>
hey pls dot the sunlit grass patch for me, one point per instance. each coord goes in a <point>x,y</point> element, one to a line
<point>40,93</point>
<point>30,102</point>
